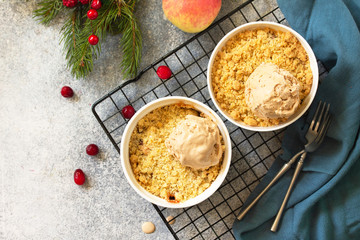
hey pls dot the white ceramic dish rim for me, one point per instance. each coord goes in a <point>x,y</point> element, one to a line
<point>313,65</point>
<point>124,151</point>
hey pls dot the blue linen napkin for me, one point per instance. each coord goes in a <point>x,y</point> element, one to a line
<point>325,203</point>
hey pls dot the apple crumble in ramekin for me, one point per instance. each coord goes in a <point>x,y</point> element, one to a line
<point>154,168</point>
<point>242,54</point>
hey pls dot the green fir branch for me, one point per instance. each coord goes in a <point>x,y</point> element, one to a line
<point>131,41</point>
<point>81,55</point>
<point>79,63</point>
<point>114,16</point>
<point>48,10</point>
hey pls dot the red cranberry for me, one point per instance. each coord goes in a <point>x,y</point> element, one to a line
<point>96,4</point>
<point>163,72</point>
<point>92,150</point>
<point>92,14</point>
<point>79,177</point>
<point>93,39</point>
<point>67,92</point>
<point>70,3</point>
<point>128,111</point>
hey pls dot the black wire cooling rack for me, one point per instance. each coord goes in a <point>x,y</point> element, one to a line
<point>252,152</point>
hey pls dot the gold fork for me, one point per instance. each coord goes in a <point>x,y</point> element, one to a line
<point>317,134</point>
<point>310,136</point>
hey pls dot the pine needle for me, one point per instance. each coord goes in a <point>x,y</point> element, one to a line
<point>48,10</point>
<point>130,42</point>
<point>78,57</point>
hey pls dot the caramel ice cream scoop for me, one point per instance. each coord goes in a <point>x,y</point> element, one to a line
<point>195,142</point>
<point>272,92</point>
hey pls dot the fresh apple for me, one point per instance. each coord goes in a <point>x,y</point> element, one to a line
<point>191,15</point>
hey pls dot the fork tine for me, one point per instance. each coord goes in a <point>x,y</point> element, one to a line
<point>315,116</point>
<point>327,110</point>
<point>318,121</point>
<point>326,114</point>
<point>324,129</point>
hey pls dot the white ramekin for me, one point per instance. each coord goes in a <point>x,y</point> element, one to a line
<point>313,65</point>
<point>125,151</point>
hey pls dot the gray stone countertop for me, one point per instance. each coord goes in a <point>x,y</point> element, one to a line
<point>43,136</point>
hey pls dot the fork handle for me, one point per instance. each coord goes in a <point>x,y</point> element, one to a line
<point>278,175</point>
<point>292,183</point>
